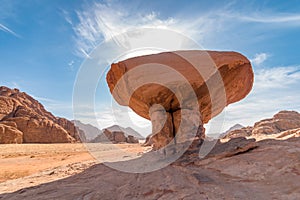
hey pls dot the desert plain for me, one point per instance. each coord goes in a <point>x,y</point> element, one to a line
<point>26,165</point>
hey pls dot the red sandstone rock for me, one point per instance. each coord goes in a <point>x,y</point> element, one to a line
<point>283,124</point>
<point>282,121</point>
<point>131,139</point>
<point>144,82</point>
<point>119,137</point>
<point>22,116</point>
<point>10,135</point>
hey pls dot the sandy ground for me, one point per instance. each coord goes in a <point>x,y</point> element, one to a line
<point>25,165</point>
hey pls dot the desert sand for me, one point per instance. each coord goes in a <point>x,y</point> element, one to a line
<point>25,165</point>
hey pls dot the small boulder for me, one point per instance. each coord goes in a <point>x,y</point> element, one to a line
<point>132,139</point>
<point>119,137</point>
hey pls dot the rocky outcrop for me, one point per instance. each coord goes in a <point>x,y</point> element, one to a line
<point>182,86</point>
<point>242,132</point>
<point>238,169</point>
<point>24,120</point>
<point>131,139</point>
<point>72,129</point>
<point>281,125</point>
<point>289,134</point>
<point>127,131</point>
<point>282,121</point>
<point>119,137</point>
<point>114,137</point>
<point>10,135</point>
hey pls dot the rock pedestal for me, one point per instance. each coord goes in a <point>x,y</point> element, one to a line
<point>180,91</point>
<point>174,127</point>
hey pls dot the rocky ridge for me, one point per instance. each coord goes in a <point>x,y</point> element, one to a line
<point>282,125</point>
<point>24,120</point>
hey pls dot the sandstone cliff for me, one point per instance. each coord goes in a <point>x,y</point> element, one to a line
<point>24,120</point>
<point>282,125</point>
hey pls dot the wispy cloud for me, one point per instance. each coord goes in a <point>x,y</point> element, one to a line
<point>274,89</point>
<point>102,21</point>
<point>7,30</point>
<point>259,58</point>
<point>277,77</point>
<point>273,18</point>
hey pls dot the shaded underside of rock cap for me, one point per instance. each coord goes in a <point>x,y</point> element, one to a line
<point>143,81</point>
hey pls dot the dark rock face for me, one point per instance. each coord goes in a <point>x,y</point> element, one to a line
<point>23,116</point>
<point>167,99</point>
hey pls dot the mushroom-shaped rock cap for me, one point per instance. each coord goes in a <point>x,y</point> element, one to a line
<point>175,79</point>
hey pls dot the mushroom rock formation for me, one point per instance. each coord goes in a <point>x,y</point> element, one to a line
<point>180,91</point>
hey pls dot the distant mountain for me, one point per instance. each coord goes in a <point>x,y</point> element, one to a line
<point>89,130</point>
<point>127,131</point>
<point>235,127</point>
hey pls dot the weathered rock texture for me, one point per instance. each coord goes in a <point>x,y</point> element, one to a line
<point>165,86</point>
<point>24,120</point>
<point>114,137</point>
<point>239,169</point>
<point>283,124</point>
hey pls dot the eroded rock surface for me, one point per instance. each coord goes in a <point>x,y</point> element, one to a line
<point>282,125</point>
<point>191,85</point>
<point>238,169</point>
<point>24,120</point>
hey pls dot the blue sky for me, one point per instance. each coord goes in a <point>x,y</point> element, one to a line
<point>44,43</point>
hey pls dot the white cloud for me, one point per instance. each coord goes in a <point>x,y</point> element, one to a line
<point>274,89</point>
<point>277,77</point>
<point>273,18</point>
<point>7,30</point>
<point>71,65</point>
<point>103,21</point>
<point>67,16</point>
<point>259,58</point>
